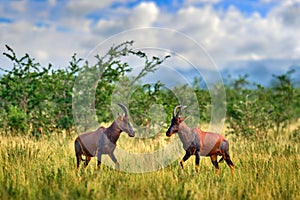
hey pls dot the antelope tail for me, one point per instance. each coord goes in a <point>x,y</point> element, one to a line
<point>224,148</point>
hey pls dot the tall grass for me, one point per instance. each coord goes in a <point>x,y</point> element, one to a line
<point>265,168</point>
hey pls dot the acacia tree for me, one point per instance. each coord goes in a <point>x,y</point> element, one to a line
<point>35,99</point>
<point>255,111</point>
<point>284,98</point>
<point>33,96</point>
<point>95,84</point>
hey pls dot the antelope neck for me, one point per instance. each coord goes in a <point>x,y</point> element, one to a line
<point>113,132</point>
<point>186,135</point>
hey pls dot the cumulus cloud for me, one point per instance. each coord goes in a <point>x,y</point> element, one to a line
<point>228,33</point>
<point>51,3</point>
<point>81,8</point>
<point>142,15</point>
<point>18,6</point>
<point>189,2</point>
<point>46,45</point>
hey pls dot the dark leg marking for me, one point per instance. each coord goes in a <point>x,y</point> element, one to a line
<point>214,160</point>
<point>230,164</point>
<point>197,162</point>
<point>185,157</point>
<point>78,153</point>
<point>87,160</point>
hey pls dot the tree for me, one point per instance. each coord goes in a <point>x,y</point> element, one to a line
<point>283,99</point>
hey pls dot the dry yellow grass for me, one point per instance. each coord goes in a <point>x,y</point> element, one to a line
<point>265,168</point>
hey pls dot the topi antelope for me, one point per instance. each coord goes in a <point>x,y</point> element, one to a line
<point>87,144</point>
<point>199,143</point>
<point>103,140</point>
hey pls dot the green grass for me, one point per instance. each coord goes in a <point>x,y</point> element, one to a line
<point>266,168</point>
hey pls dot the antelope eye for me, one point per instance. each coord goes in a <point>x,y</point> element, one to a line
<point>177,120</point>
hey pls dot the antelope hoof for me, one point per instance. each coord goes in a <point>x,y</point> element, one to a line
<point>118,167</point>
<point>217,172</point>
<point>197,168</point>
<point>182,164</point>
<point>98,164</point>
<point>232,170</point>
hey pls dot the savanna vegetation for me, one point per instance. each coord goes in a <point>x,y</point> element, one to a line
<point>37,132</point>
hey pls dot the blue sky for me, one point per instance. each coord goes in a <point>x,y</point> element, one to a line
<point>258,37</point>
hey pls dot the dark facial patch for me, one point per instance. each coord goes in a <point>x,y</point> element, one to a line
<point>174,126</point>
<point>126,127</point>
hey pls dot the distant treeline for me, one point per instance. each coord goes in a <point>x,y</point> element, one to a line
<point>36,100</point>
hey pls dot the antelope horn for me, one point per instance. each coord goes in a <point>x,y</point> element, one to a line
<point>124,109</point>
<point>174,111</point>
<point>180,110</point>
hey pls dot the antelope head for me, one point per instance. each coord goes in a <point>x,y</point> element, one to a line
<point>123,122</point>
<point>176,121</point>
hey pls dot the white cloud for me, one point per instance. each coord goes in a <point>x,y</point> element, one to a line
<point>52,3</point>
<point>46,45</point>
<point>143,15</point>
<point>188,2</point>
<point>19,6</point>
<point>288,13</point>
<point>83,7</point>
<point>227,34</point>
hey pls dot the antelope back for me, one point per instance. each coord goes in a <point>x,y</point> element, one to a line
<point>89,141</point>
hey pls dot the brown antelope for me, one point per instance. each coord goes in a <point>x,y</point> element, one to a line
<point>103,140</point>
<point>199,143</point>
<point>87,144</point>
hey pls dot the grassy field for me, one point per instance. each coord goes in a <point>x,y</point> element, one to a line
<point>266,168</point>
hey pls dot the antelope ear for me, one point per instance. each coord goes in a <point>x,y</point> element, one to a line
<point>182,119</point>
<point>120,117</point>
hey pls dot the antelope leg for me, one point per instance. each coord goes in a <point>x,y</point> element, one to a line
<point>197,160</point>
<point>99,157</point>
<point>215,162</point>
<point>114,159</point>
<point>185,157</point>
